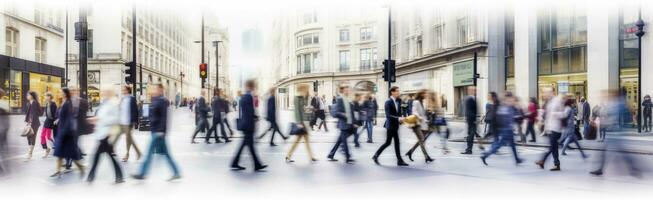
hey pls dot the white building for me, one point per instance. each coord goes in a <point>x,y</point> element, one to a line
<point>33,50</point>
<point>167,48</point>
<point>331,45</point>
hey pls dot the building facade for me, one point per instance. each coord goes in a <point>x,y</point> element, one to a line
<point>577,48</point>
<point>32,57</point>
<point>330,46</point>
<point>166,49</point>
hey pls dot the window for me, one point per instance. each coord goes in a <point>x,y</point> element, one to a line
<point>365,59</point>
<point>11,36</point>
<point>344,60</point>
<point>308,39</point>
<point>418,47</point>
<point>463,29</point>
<point>437,39</point>
<point>89,44</point>
<point>308,62</point>
<point>40,50</point>
<point>344,35</point>
<point>628,49</point>
<point>367,33</point>
<point>563,38</point>
<point>375,58</point>
<point>309,17</point>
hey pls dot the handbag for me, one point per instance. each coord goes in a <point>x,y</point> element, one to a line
<point>27,131</point>
<point>296,130</point>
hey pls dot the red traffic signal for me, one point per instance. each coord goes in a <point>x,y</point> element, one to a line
<point>203,72</point>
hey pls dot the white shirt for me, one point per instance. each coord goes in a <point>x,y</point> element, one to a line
<point>125,111</point>
<point>394,101</point>
<point>554,113</point>
<point>108,118</point>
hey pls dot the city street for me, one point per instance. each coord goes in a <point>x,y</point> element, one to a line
<point>205,171</point>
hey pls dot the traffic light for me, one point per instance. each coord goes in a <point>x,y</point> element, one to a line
<point>315,86</point>
<point>130,73</point>
<point>203,73</point>
<point>389,71</point>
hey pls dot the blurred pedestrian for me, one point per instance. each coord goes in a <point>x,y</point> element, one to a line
<point>218,114</point>
<point>159,124</point>
<point>4,129</point>
<point>519,120</point>
<point>553,127</point>
<point>247,124</point>
<point>647,106</point>
<point>369,106</point>
<point>202,111</point>
<point>300,130</point>
<point>319,110</point>
<point>50,114</point>
<point>569,128</point>
<point>471,111</point>
<point>344,111</point>
<point>107,125</point>
<point>437,122</point>
<point>272,117</point>
<point>506,114</point>
<point>489,119</point>
<point>226,110</point>
<point>421,127</point>
<point>393,117</point>
<point>610,122</point>
<point>359,115</point>
<point>32,119</point>
<point>531,117</point>
<point>584,113</point>
<point>67,136</point>
<point>128,121</point>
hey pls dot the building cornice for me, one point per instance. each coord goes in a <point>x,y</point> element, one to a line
<point>31,23</point>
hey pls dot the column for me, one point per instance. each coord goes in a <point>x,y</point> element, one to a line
<point>602,51</point>
<point>647,49</point>
<point>525,49</point>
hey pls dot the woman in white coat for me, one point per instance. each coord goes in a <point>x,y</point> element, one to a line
<point>421,127</point>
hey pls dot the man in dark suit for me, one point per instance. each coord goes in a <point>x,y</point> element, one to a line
<point>247,124</point>
<point>471,110</point>
<point>202,111</point>
<point>346,123</point>
<point>216,108</point>
<point>392,120</point>
<point>272,118</point>
<point>585,115</point>
<point>159,124</point>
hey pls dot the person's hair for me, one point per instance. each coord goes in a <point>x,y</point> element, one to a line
<point>647,96</point>
<point>569,102</point>
<point>66,93</point>
<point>342,88</point>
<point>394,89</point>
<point>251,84</point>
<point>534,101</point>
<point>128,88</point>
<point>420,96</point>
<point>48,94</point>
<point>495,97</point>
<point>34,96</point>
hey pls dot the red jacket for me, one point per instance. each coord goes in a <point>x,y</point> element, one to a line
<point>532,112</point>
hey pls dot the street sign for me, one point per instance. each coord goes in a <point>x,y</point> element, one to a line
<point>463,73</point>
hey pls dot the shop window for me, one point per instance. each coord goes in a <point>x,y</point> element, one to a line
<point>15,90</point>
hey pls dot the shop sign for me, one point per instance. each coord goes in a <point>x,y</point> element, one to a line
<point>563,87</point>
<point>463,73</point>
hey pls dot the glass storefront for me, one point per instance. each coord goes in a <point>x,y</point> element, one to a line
<point>629,57</point>
<point>562,55</point>
<point>42,84</point>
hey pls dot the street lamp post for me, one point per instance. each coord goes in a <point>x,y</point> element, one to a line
<point>217,64</point>
<point>81,35</point>
<point>640,32</point>
<point>181,80</point>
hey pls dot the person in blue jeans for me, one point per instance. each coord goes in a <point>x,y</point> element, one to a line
<point>505,116</point>
<point>158,124</point>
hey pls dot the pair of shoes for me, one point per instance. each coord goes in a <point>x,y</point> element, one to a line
<point>483,160</point>
<point>597,172</point>
<point>272,144</point>
<point>556,168</point>
<point>350,161</point>
<point>540,163</point>
<point>56,174</point>
<point>331,159</point>
<point>174,177</point>
<point>402,163</point>
<point>563,153</point>
<point>138,177</point>
<point>376,159</point>
<point>369,141</point>
<point>466,152</point>
<point>288,160</point>
<point>314,160</point>
<point>531,141</point>
<point>429,159</point>
<point>237,168</point>
<point>260,167</point>
<point>119,180</point>
<point>519,161</point>
<point>410,156</point>
<point>357,145</point>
